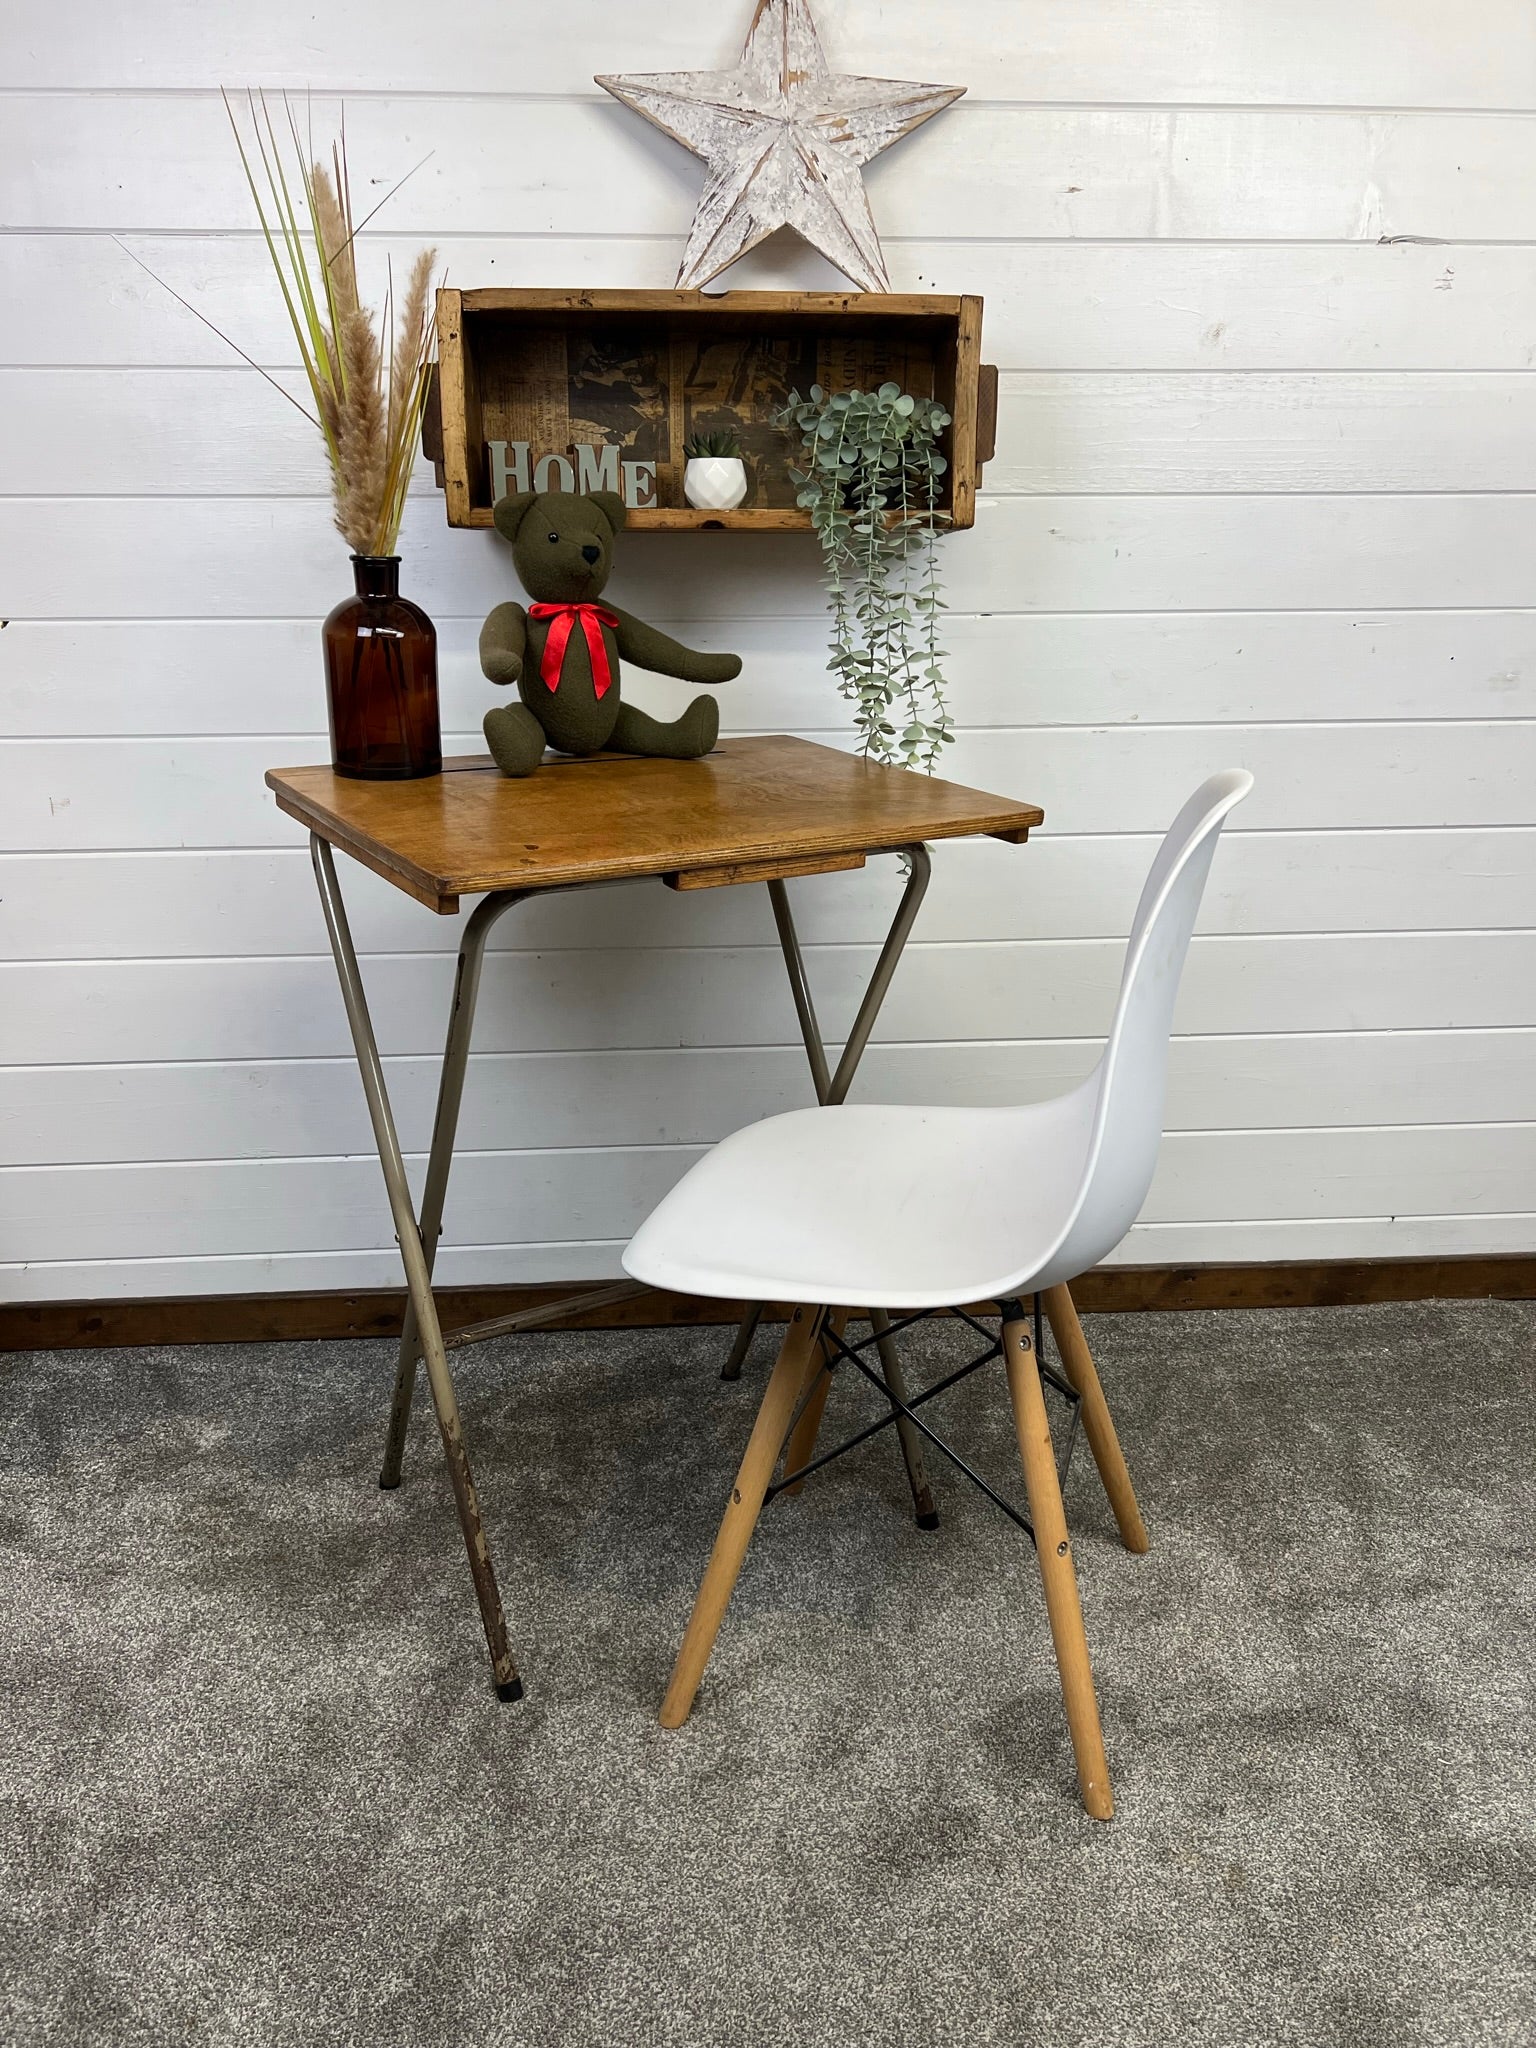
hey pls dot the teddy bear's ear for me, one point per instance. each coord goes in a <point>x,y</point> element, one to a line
<point>611,505</point>
<point>509,512</point>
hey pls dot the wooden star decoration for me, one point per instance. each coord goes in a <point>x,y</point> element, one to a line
<point>785,140</point>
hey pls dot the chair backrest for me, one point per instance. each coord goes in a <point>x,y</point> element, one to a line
<point>1131,1077</point>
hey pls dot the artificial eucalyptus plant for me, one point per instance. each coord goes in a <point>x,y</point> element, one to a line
<point>871,484</point>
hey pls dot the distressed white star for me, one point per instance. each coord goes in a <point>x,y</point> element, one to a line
<point>785,140</point>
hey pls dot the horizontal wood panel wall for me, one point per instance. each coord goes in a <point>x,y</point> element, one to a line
<point>1261,282</point>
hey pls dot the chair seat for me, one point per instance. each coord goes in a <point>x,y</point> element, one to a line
<point>868,1208</point>
<point>873,1206</point>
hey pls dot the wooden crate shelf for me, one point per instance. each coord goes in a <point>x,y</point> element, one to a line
<point>642,371</point>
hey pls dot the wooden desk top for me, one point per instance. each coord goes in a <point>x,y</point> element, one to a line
<point>753,810</point>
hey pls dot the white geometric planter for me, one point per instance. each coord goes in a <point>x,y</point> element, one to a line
<point>715,483</point>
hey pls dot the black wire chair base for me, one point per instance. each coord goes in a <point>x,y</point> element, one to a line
<point>851,1354</point>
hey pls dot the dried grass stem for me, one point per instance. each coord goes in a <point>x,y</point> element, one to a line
<point>368,377</point>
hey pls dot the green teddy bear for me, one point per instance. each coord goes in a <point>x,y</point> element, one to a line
<point>563,652</point>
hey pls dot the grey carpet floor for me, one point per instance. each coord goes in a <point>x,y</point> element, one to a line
<point>256,1787</point>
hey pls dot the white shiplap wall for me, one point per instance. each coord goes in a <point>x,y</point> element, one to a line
<point>1261,277</point>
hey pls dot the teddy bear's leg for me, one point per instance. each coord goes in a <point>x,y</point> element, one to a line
<point>515,738</point>
<point>684,739</point>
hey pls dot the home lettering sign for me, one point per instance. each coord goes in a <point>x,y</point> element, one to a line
<point>584,466</point>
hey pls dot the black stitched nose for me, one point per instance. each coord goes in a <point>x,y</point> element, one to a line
<point>591,554</point>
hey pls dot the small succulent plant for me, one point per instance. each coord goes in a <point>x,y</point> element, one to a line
<point>700,446</point>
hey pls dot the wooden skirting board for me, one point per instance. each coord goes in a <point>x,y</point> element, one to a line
<point>266,1318</point>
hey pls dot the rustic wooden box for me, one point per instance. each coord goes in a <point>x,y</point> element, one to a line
<point>642,371</point>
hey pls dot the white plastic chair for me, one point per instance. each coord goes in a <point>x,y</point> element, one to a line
<point>915,1208</point>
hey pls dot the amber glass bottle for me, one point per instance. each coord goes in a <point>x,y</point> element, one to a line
<point>381,670</point>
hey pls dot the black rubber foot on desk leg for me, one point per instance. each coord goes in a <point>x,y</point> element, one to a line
<point>512,1690</point>
<point>930,1520</point>
<point>389,1486</point>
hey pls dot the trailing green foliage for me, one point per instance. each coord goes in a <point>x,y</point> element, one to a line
<point>699,446</point>
<point>871,484</point>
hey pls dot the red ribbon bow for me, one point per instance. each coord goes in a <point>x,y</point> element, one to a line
<point>593,618</point>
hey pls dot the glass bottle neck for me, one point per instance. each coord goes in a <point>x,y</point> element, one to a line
<point>376,575</point>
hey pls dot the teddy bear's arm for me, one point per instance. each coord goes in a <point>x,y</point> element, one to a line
<point>503,643</point>
<point>664,656</point>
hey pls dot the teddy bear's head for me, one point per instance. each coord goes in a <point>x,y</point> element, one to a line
<point>562,544</point>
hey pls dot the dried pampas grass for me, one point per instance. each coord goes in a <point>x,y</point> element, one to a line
<point>368,379</point>
<point>362,457</point>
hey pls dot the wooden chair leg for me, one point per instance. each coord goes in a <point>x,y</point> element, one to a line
<point>801,1447</point>
<point>1056,1569</point>
<point>1097,1424</point>
<point>799,1356</point>
<point>802,1442</point>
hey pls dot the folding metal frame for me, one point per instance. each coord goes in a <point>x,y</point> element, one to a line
<point>423,1336</point>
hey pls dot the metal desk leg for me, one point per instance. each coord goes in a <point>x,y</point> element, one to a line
<point>832,1088</point>
<point>417,1273</point>
<point>911,1443</point>
<point>746,1330</point>
<point>450,1093</point>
